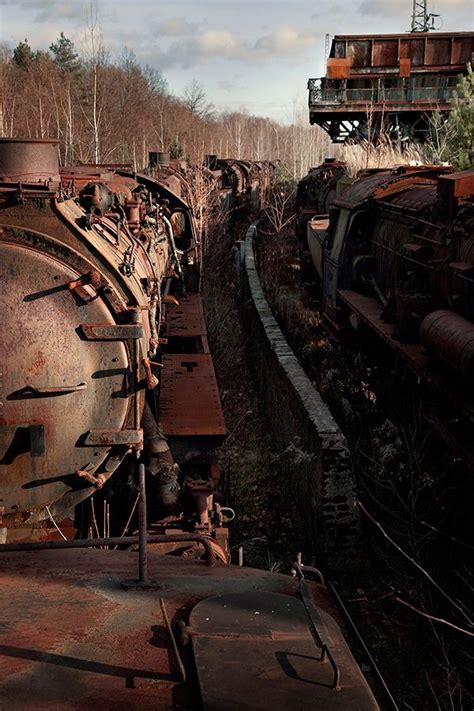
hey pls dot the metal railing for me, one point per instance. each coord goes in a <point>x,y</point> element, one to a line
<point>337,92</point>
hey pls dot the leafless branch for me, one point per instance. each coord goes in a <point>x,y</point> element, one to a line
<point>417,565</point>
<point>435,619</point>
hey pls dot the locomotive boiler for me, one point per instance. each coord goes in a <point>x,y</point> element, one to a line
<point>90,256</point>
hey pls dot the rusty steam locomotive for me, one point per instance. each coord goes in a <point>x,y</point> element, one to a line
<point>90,258</point>
<point>100,297</point>
<point>394,252</point>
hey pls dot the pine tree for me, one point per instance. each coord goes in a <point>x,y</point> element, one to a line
<point>65,55</point>
<point>461,122</point>
<point>23,55</point>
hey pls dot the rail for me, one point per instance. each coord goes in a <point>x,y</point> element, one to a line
<point>316,623</point>
<point>111,541</point>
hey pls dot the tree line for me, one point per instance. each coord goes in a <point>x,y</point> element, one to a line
<point>116,111</point>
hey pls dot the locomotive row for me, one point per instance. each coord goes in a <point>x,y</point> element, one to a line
<point>105,351</point>
<point>106,368</point>
<point>393,251</point>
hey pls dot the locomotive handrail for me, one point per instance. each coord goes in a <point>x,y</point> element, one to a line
<point>316,622</point>
<point>55,390</point>
<point>112,541</point>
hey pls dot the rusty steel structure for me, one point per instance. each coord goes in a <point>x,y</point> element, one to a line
<point>77,632</point>
<point>391,83</point>
<point>394,254</point>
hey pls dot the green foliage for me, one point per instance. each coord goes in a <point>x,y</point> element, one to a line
<point>176,149</point>
<point>461,123</point>
<point>23,55</point>
<point>283,178</point>
<point>65,55</point>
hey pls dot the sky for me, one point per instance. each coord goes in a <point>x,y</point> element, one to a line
<point>248,54</point>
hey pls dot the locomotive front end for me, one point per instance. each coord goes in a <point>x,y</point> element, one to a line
<point>83,257</point>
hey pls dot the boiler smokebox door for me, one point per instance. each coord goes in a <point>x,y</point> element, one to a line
<point>55,385</point>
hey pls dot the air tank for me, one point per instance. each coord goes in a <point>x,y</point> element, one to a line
<point>450,338</point>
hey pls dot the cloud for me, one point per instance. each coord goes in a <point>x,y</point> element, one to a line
<point>176,27</point>
<point>388,7</point>
<point>224,44</point>
<point>382,7</point>
<point>47,10</point>
<point>233,85</point>
<point>285,40</point>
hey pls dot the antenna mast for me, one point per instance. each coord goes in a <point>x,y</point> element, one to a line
<point>326,47</point>
<point>421,19</point>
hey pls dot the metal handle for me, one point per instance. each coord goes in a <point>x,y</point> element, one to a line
<point>56,390</point>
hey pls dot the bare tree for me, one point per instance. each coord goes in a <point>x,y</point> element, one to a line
<point>195,99</point>
<point>95,54</point>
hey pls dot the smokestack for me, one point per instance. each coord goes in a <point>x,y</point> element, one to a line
<point>29,160</point>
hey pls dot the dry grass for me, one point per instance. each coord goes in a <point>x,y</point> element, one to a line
<point>383,154</point>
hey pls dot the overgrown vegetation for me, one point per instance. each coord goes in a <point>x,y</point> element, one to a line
<point>452,138</point>
<point>382,154</point>
<point>254,468</point>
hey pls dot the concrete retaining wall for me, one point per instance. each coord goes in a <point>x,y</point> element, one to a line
<point>322,481</point>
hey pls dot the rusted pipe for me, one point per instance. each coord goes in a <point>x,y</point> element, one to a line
<point>142,527</point>
<point>156,445</point>
<point>114,541</point>
<point>161,464</point>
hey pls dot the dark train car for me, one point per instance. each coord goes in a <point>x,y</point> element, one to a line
<point>241,183</point>
<point>316,191</point>
<point>392,82</point>
<point>395,257</point>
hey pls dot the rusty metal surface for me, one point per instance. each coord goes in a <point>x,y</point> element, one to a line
<point>76,641</point>
<point>81,297</point>
<point>370,311</point>
<point>186,319</point>
<point>44,361</point>
<point>450,338</point>
<point>443,50</point>
<point>386,183</point>
<point>256,651</point>
<point>189,396</point>
<point>317,189</point>
<point>105,641</point>
<point>455,188</point>
<point>29,160</point>
<point>403,78</point>
<point>414,197</point>
<point>72,638</point>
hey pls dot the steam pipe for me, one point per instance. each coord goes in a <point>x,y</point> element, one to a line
<point>114,541</point>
